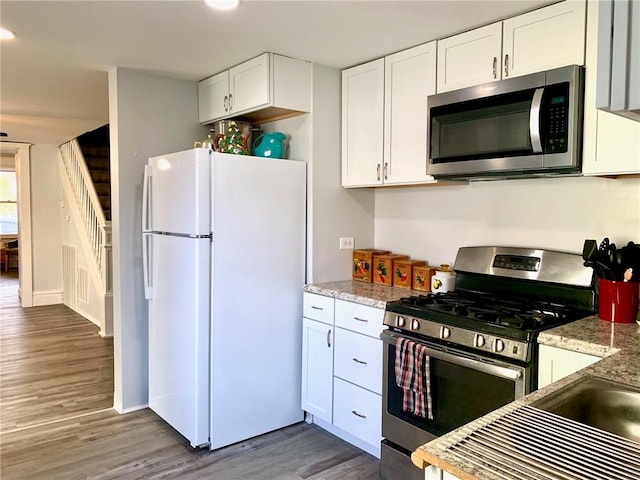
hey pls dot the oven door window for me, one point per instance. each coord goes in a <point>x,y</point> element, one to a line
<point>483,128</point>
<point>459,394</point>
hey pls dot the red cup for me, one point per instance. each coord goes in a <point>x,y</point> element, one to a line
<point>618,301</point>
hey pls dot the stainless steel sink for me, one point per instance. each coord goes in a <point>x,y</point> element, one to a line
<point>597,402</point>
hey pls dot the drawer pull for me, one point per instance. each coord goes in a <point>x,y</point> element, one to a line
<point>364,320</point>
<point>316,308</point>
<point>359,361</point>
<point>358,414</point>
<point>329,338</point>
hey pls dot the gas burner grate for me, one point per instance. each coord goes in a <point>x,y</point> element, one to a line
<point>512,313</point>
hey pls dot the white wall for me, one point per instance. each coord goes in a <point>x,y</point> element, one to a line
<point>431,223</point>
<point>149,115</point>
<point>335,212</point>
<point>45,225</point>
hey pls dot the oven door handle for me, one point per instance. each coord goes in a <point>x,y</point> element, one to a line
<point>462,360</point>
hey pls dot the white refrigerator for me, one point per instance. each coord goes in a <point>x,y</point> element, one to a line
<point>224,267</point>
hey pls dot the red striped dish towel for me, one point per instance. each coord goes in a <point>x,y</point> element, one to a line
<point>412,376</point>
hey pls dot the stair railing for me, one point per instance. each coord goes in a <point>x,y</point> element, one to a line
<point>96,227</point>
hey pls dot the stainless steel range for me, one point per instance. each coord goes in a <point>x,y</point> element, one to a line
<point>450,358</point>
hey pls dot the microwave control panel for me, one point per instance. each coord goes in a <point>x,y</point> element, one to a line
<point>555,118</point>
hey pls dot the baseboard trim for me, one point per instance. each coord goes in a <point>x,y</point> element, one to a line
<point>131,409</point>
<point>46,297</point>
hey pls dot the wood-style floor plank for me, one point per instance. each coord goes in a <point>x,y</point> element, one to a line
<point>56,389</point>
<point>53,363</point>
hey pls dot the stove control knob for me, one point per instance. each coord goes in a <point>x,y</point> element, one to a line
<point>415,324</point>
<point>445,332</point>
<point>479,341</point>
<point>498,345</point>
<point>400,321</point>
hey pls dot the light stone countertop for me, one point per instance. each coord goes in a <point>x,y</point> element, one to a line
<point>617,343</point>
<point>372,294</point>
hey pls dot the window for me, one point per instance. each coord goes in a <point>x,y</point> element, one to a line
<point>8,203</point>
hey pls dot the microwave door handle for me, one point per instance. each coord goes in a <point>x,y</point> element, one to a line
<point>534,121</point>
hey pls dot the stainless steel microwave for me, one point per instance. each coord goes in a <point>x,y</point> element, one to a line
<point>523,126</point>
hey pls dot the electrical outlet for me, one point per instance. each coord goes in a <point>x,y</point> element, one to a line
<point>346,243</point>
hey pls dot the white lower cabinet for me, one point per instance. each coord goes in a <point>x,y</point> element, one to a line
<point>556,363</point>
<point>434,473</point>
<point>317,365</point>
<point>357,411</point>
<point>342,369</point>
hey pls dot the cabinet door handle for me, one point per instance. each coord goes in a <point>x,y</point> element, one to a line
<point>316,308</point>
<point>495,67</point>
<point>230,102</point>
<point>329,338</point>
<point>506,65</point>
<point>385,170</point>
<point>226,103</point>
<point>364,320</point>
<point>378,172</point>
<point>358,414</point>
<point>361,362</point>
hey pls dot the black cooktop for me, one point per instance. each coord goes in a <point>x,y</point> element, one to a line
<point>513,317</point>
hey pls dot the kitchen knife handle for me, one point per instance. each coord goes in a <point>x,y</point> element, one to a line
<point>495,67</point>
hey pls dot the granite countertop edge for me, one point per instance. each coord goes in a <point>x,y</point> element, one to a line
<point>364,293</point>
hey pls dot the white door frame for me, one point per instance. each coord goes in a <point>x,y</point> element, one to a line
<point>23,178</point>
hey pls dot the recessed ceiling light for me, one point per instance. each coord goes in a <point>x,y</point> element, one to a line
<point>223,4</point>
<point>6,34</point>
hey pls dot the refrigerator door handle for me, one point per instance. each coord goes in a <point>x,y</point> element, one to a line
<point>146,204</point>
<point>147,252</point>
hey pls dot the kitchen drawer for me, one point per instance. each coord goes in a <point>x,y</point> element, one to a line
<point>318,307</point>
<point>358,359</point>
<point>357,411</point>
<point>359,318</point>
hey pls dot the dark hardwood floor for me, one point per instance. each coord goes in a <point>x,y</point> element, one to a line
<point>56,384</point>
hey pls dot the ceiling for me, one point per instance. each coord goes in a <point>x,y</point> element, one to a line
<point>53,75</point>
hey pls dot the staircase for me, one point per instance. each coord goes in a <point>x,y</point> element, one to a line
<point>86,250</point>
<point>95,149</point>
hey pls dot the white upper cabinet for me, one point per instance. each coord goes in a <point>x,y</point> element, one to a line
<point>543,39</point>
<point>213,95</point>
<point>362,124</point>
<point>249,84</point>
<point>384,119</point>
<point>264,88</point>
<point>547,38</point>
<point>409,79</point>
<point>470,58</point>
<point>611,143</point>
